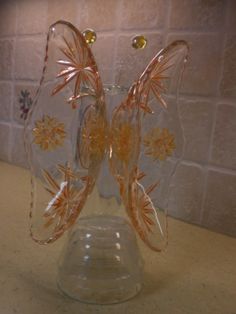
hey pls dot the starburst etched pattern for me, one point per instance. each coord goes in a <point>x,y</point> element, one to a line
<point>152,81</point>
<point>142,211</point>
<point>94,138</point>
<point>65,196</point>
<point>78,65</point>
<point>147,208</point>
<point>49,133</point>
<point>159,143</point>
<point>122,137</point>
<point>143,203</point>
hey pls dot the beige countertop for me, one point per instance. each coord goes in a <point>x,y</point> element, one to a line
<point>197,273</point>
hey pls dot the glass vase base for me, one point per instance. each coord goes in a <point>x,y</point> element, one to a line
<point>101,262</point>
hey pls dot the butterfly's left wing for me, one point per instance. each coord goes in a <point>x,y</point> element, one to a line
<point>64,133</point>
<point>153,143</point>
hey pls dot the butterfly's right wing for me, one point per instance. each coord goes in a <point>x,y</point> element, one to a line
<point>147,144</point>
<point>161,144</point>
<point>64,133</point>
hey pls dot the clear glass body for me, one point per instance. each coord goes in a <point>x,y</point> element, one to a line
<point>101,262</point>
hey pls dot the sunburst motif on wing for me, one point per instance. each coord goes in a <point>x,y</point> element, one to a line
<point>146,207</point>
<point>78,65</point>
<point>153,82</point>
<point>159,143</point>
<point>65,197</point>
<point>121,137</point>
<point>143,202</point>
<point>94,139</point>
<point>49,133</point>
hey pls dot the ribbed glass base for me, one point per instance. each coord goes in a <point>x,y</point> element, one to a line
<point>101,262</point>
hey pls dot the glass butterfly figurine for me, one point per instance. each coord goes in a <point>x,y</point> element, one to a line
<point>69,134</point>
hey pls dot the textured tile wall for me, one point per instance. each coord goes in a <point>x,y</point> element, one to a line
<point>204,189</point>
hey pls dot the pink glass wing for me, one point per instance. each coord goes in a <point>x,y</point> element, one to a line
<point>161,145</point>
<point>67,109</point>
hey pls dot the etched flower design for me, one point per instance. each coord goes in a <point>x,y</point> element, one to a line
<point>147,208</point>
<point>78,65</point>
<point>159,143</point>
<point>26,102</point>
<point>93,138</point>
<point>49,133</point>
<point>153,82</point>
<point>144,210</point>
<point>122,138</point>
<point>65,196</point>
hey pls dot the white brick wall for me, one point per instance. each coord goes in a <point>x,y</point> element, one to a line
<point>205,187</point>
